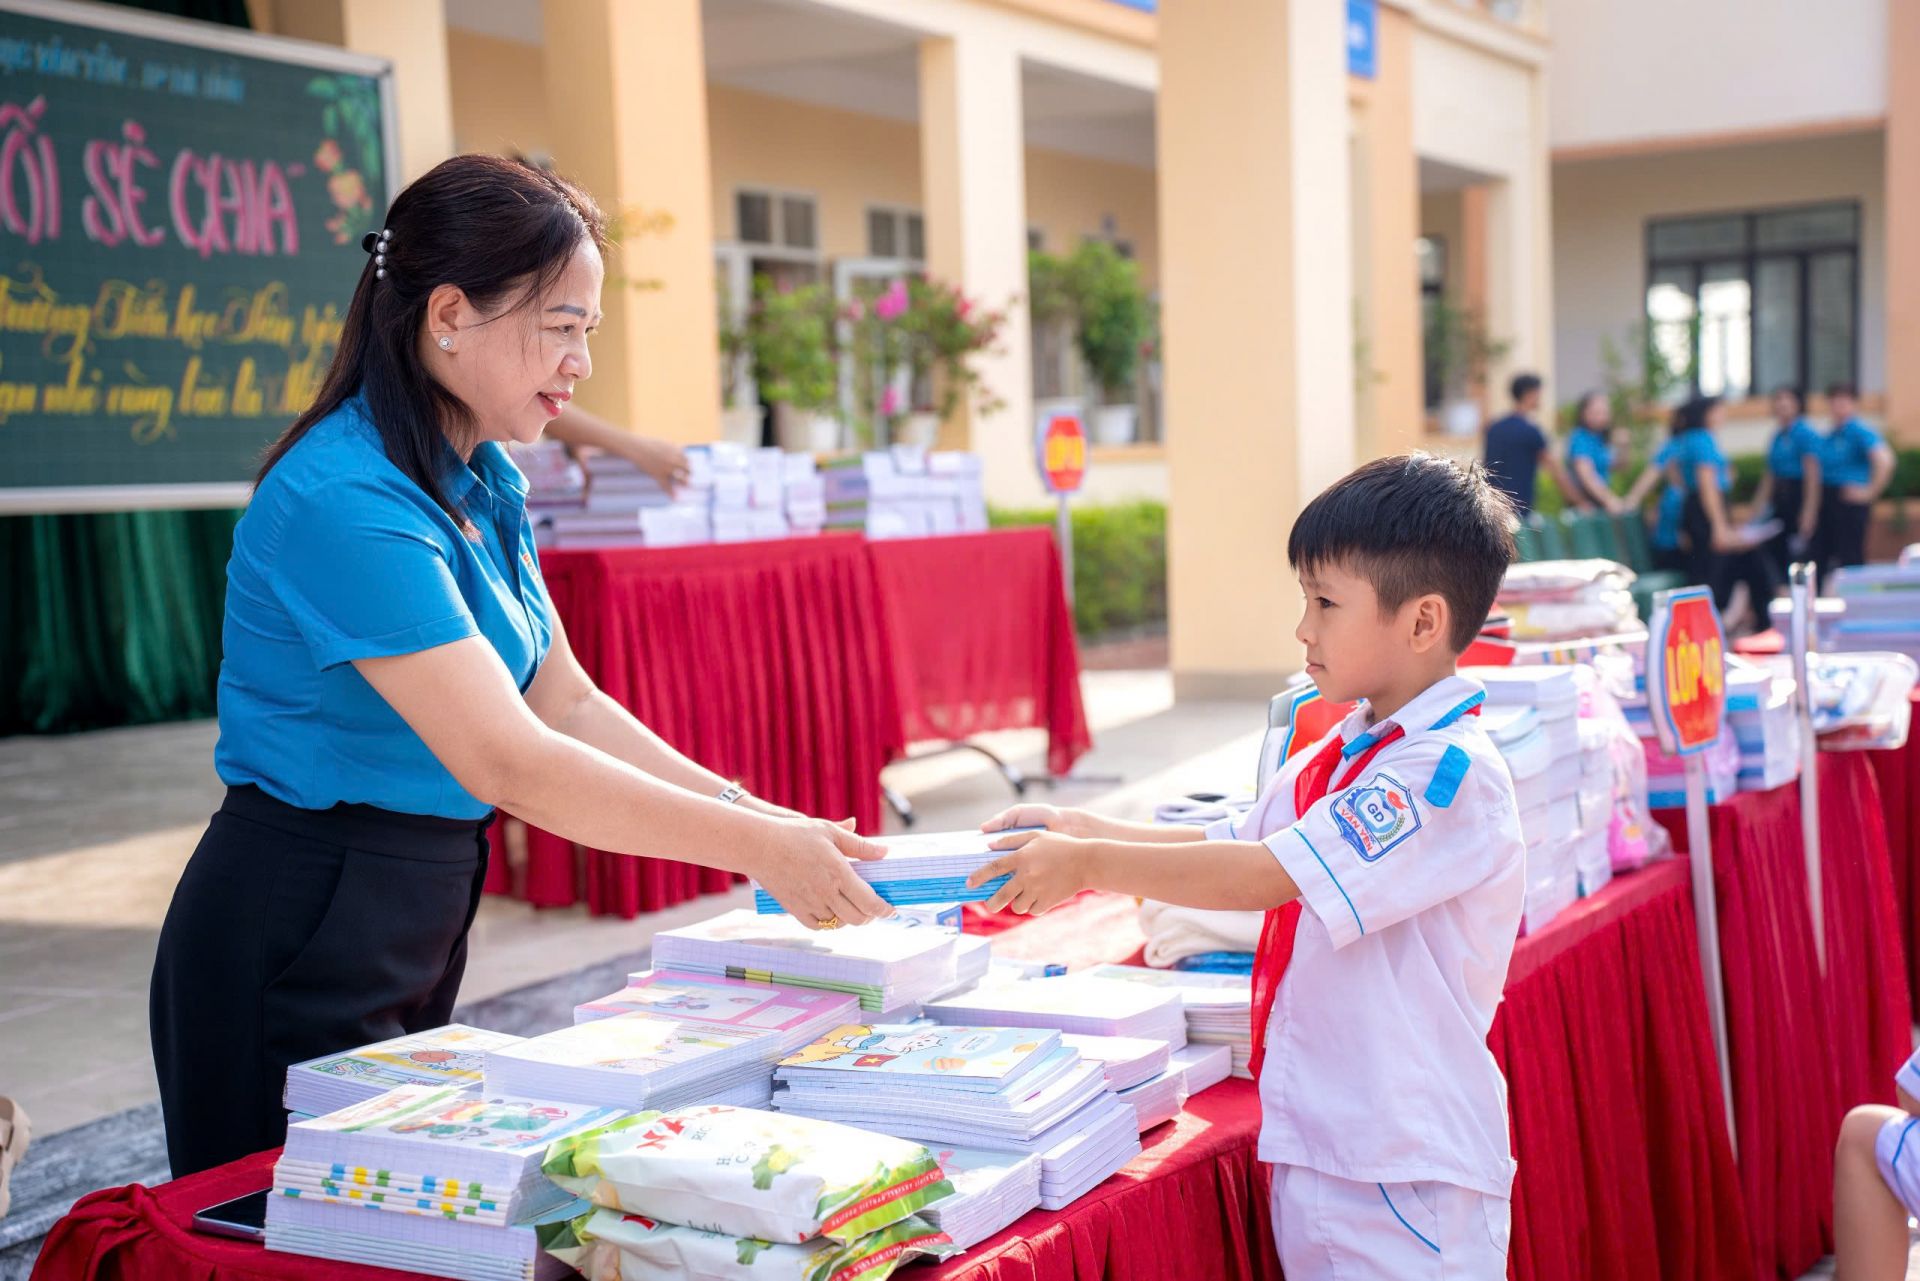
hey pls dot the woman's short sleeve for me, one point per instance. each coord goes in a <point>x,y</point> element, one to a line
<point>362,573</point>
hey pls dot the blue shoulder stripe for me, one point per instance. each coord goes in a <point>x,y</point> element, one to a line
<point>1454,763</point>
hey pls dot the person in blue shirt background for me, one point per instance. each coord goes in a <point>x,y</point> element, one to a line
<point>1516,449</point>
<point>1856,464</point>
<point>1590,454</point>
<point>1718,556</point>
<point>393,671</point>
<point>1790,487</point>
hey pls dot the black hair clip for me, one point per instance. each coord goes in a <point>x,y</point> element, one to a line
<point>378,243</point>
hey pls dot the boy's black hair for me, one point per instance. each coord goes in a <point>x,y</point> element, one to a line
<point>1409,525</point>
<point>1523,385</point>
<point>1846,389</point>
<point>1794,390</point>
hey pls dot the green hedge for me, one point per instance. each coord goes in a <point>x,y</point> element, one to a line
<point>1119,562</point>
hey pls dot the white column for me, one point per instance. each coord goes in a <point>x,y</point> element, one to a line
<point>973,180</point>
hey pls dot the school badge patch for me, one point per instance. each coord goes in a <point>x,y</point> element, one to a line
<point>1376,816</point>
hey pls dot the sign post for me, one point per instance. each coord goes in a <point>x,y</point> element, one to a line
<point>1687,687</point>
<point>1060,448</point>
<point>1800,643</point>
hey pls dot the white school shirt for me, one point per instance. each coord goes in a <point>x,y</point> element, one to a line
<point>1412,881</point>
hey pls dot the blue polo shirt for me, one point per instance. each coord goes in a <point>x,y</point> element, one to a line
<point>339,557</point>
<point>1846,453</point>
<point>1673,500</point>
<point>1687,452</point>
<point>1792,446</point>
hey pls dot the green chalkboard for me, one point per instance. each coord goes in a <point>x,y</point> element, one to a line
<point>181,207</point>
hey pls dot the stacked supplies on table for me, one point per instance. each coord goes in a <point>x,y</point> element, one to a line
<point>1761,715</point>
<point>1613,775</point>
<point>720,1191</point>
<point>1218,1007</point>
<point>1126,1061</point>
<point>426,1178</point>
<point>792,1016</point>
<point>748,494</point>
<point>1861,701</point>
<point>972,962</point>
<point>555,482</point>
<point>641,1059</point>
<point>1157,1099</point>
<point>450,1055</point>
<point>1556,600</point>
<point>1107,1138</point>
<point>887,965</point>
<point>975,1086</point>
<point>1533,718</point>
<point>1553,692</point>
<point>1593,804</point>
<point>1880,610</point>
<point>928,867</point>
<point>1204,1066</point>
<point>905,492</point>
<point>803,495</point>
<point>990,1191</point>
<point>1082,1003</point>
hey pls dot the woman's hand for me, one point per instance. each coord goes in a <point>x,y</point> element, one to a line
<point>804,866</point>
<point>1066,822</point>
<point>663,460</point>
<point>1857,493</point>
<point>1046,871</point>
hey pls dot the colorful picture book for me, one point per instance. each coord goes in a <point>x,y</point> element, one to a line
<point>944,1058</point>
<point>639,1060</point>
<point>885,964</point>
<point>450,1055</point>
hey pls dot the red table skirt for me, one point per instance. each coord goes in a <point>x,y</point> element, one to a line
<point>802,667</point>
<point>1805,1048</point>
<point>982,638</point>
<point>1898,772</point>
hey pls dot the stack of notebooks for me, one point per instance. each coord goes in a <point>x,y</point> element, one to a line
<point>888,965</point>
<point>803,495</point>
<point>905,492</point>
<point>1532,717</point>
<point>1218,1007</point>
<point>1156,1100</point>
<point>1127,1060</point>
<point>972,961</point>
<point>1204,1066</point>
<point>1873,608</point>
<point>789,1016</point>
<point>1594,804</point>
<point>426,1178</point>
<point>639,1060</point>
<point>987,1087</point>
<point>450,1055</point>
<point>747,494</point>
<point>990,1191</point>
<point>928,868</point>
<point>1082,1003</point>
<point>1760,713</point>
<point>1553,692</point>
<point>1108,1137</point>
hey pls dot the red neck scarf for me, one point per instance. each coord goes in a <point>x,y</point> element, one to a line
<point>1311,785</point>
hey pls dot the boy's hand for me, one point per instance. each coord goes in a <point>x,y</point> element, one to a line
<point>1054,819</point>
<point>1046,871</point>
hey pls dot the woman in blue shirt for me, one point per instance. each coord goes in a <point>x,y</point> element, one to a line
<point>1790,486</point>
<point>394,671</point>
<point>1856,464</point>
<point>1718,556</point>
<point>1590,455</point>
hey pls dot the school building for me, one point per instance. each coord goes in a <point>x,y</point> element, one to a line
<point>1309,188</point>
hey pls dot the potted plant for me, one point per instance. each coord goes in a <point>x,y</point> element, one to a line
<point>945,330</point>
<point>790,333</point>
<point>1459,351</point>
<point>739,422</point>
<point>878,337</point>
<point>1099,291</point>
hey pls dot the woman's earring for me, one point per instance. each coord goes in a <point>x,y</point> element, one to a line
<point>446,344</point>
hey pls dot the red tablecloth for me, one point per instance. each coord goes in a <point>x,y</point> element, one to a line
<point>982,638</point>
<point>1898,772</point>
<point>1804,1048</point>
<point>802,667</point>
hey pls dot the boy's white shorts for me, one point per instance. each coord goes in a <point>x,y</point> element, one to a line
<point>1897,1150</point>
<point>1331,1229</point>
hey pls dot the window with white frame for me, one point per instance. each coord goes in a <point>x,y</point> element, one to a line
<point>776,219</point>
<point>896,232</point>
<point>1739,304</point>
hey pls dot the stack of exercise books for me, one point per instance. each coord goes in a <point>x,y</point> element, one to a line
<point>973,1086</point>
<point>450,1055</point>
<point>426,1178</point>
<point>1127,1060</point>
<point>794,1016</point>
<point>1083,1003</point>
<point>640,1060</point>
<point>1761,714</point>
<point>1073,1164</point>
<point>1218,1007</point>
<point>1156,1100</point>
<point>930,867</point>
<point>1204,1066</point>
<point>990,1191</point>
<point>887,965</point>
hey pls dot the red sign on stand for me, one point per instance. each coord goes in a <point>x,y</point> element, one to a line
<point>1063,453</point>
<point>1686,671</point>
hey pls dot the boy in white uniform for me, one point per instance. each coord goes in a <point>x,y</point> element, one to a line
<point>1876,1184</point>
<point>1383,1112</point>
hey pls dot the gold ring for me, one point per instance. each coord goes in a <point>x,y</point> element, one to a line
<point>828,922</point>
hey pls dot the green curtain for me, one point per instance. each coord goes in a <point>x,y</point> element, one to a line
<point>114,619</point>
